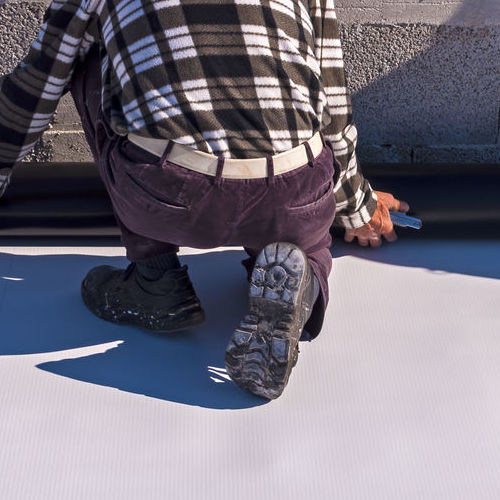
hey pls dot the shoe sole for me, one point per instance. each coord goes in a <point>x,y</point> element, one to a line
<point>264,348</point>
<point>151,321</point>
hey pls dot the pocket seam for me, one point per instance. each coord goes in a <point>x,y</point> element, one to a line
<point>311,207</point>
<point>155,198</point>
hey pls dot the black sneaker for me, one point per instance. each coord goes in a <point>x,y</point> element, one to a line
<point>125,296</point>
<point>264,348</point>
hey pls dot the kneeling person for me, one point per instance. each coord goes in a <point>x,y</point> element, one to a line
<point>211,124</point>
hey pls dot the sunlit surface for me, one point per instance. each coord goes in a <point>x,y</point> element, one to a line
<point>398,398</point>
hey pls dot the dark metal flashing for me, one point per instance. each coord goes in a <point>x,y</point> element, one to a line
<point>61,200</point>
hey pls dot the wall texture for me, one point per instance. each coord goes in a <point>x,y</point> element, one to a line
<point>425,79</point>
<point>424,76</point>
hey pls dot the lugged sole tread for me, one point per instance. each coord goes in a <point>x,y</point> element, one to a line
<point>278,281</point>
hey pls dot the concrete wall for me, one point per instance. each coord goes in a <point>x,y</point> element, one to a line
<point>19,25</point>
<point>424,77</point>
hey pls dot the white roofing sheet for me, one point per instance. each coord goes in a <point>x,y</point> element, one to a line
<point>398,398</point>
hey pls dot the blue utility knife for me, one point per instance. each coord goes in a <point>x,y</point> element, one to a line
<point>403,220</point>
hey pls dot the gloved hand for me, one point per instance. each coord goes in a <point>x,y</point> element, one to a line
<point>380,224</point>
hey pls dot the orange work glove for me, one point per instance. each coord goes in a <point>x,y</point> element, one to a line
<point>380,223</point>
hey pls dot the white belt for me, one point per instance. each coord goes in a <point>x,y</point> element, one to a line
<point>251,168</point>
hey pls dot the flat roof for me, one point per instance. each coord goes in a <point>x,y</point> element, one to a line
<point>396,399</point>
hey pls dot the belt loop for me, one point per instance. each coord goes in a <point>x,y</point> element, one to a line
<point>322,138</point>
<point>103,124</point>
<point>104,133</point>
<point>270,170</point>
<point>165,154</point>
<point>310,155</point>
<point>220,167</point>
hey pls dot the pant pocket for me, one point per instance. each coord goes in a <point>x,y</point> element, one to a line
<point>167,199</point>
<point>324,196</point>
<point>152,185</point>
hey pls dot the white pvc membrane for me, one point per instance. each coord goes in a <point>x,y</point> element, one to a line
<point>398,398</point>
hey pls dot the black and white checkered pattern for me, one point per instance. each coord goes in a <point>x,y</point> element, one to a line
<point>238,78</point>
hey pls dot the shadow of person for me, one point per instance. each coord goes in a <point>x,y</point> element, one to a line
<point>42,312</point>
<point>428,87</point>
<point>468,257</point>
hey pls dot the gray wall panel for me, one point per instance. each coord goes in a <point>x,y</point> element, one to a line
<point>451,12</point>
<point>418,85</point>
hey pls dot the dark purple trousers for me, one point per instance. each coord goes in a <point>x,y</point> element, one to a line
<point>160,206</point>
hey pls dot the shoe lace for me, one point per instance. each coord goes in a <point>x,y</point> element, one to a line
<point>128,271</point>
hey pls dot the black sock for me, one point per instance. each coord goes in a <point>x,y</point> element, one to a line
<point>155,267</point>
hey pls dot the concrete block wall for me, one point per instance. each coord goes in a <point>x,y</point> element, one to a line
<point>424,77</point>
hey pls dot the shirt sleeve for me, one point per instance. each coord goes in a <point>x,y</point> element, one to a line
<point>356,200</point>
<point>30,94</point>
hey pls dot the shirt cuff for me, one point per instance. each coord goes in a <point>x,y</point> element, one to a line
<point>362,214</point>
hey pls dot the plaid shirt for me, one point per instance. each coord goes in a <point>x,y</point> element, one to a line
<point>240,78</point>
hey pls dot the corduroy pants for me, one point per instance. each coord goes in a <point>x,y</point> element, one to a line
<point>161,206</point>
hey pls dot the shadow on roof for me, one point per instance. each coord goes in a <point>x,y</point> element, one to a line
<point>42,311</point>
<point>468,257</point>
